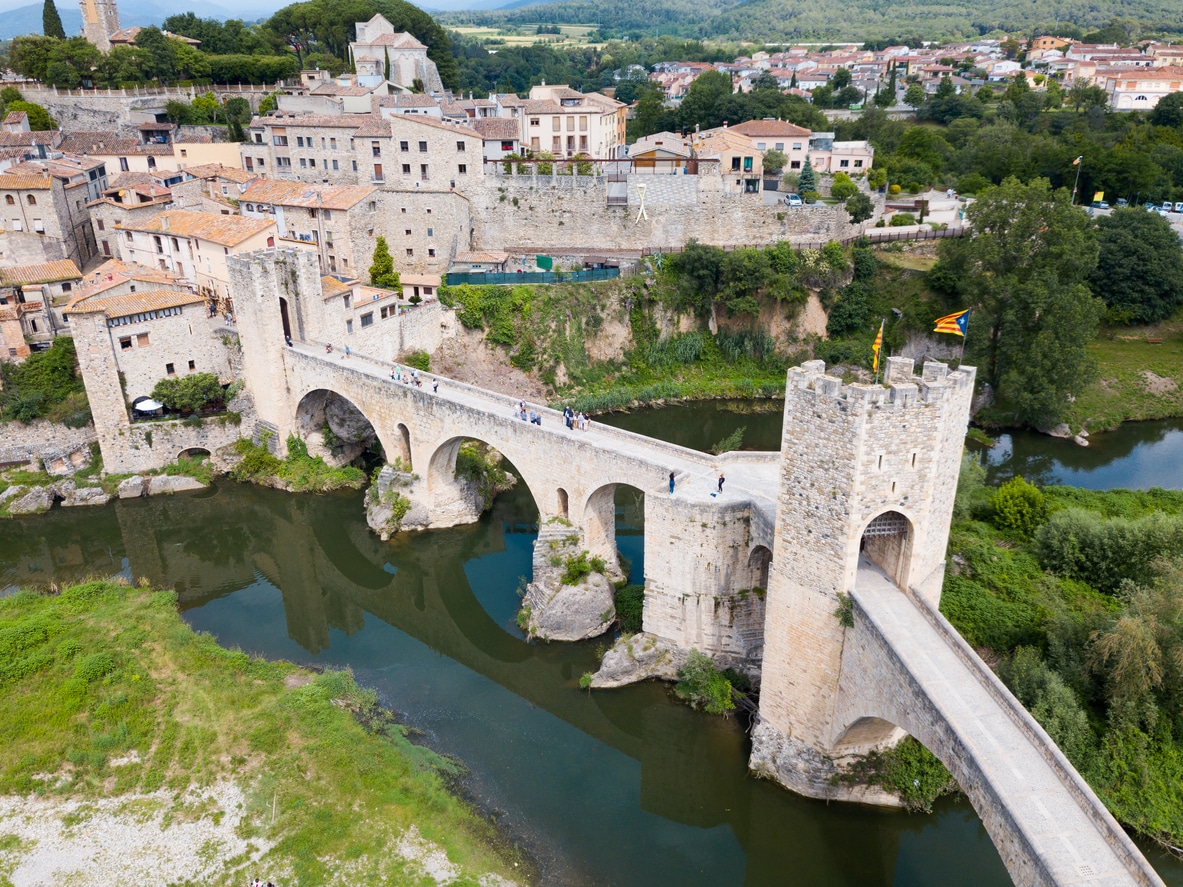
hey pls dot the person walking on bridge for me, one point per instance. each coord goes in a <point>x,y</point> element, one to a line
<point>671,483</point>
<point>721,479</point>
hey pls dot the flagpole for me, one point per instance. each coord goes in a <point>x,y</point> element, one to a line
<point>1079,163</point>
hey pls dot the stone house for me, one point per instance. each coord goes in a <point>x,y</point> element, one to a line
<point>424,229</point>
<point>311,148</point>
<point>1141,90</point>
<point>741,164</point>
<point>132,197</point>
<point>116,278</point>
<point>151,334</point>
<point>195,246</point>
<point>419,152</point>
<point>119,153</point>
<point>379,52</point>
<point>43,210</point>
<point>36,295</point>
<point>212,187</point>
<point>499,135</point>
<point>332,218</point>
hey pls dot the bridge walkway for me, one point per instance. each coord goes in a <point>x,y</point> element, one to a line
<point>749,476</point>
<point>1063,824</point>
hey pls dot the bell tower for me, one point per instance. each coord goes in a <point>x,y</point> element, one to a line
<point>100,19</point>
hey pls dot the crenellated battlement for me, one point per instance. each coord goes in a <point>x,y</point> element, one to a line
<point>901,387</point>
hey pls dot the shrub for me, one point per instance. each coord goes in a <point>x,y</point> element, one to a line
<point>630,605</point>
<point>1019,507</point>
<point>30,389</point>
<point>1105,552</point>
<point>192,392</point>
<point>909,770</point>
<point>899,220</point>
<point>1050,701</point>
<point>579,567</point>
<point>420,360</point>
<point>843,190</point>
<point>703,685</point>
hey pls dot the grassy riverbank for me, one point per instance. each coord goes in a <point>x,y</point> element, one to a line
<point>106,696</point>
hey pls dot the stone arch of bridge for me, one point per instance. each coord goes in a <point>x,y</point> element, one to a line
<point>886,539</point>
<point>599,520</point>
<point>441,471</point>
<point>759,562</point>
<point>312,404</point>
<point>193,452</point>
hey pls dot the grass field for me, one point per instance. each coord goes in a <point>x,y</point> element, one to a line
<point>106,693</point>
<point>1137,379</point>
<point>525,35</point>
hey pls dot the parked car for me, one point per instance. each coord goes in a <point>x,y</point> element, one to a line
<point>1150,205</point>
<point>794,200</point>
<point>1179,206</point>
<point>1168,207</point>
<point>1100,204</point>
<point>1121,201</point>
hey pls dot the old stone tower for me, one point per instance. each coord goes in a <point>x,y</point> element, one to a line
<point>868,475</point>
<point>100,19</point>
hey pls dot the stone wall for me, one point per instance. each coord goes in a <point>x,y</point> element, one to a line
<point>112,109</point>
<point>551,214</point>
<point>447,214</point>
<point>176,341</point>
<point>27,248</point>
<point>60,449</point>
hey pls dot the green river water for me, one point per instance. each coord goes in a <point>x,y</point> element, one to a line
<point>623,787</point>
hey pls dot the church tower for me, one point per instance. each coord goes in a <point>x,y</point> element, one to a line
<point>100,19</point>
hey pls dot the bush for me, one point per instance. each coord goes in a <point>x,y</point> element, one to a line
<point>703,685</point>
<point>1105,552</point>
<point>579,567</point>
<point>908,770</point>
<point>1019,507</point>
<point>189,393</point>
<point>419,360</point>
<point>630,605</point>
<point>1050,701</point>
<point>46,378</point>
<point>843,190</point>
<point>899,220</point>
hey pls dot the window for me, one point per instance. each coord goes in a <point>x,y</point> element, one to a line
<point>355,166</point>
<point>374,205</point>
<point>322,141</point>
<point>176,246</point>
<point>794,164</point>
<point>349,326</point>
<point>462,168</point>
<point>796,146</point>
<point>151,163</point>
<point>780,146</point>
<point>158,243</point>
<point>367,319</point>
<point>333,145</point>
<point>142,339</point>
<point>430,252</point>
<point>571,123</point>
<point>9,199</point>
<point>858,164</point>
<point>123,164</point>
<point>844,163</point>
<point>67,287</point>
<point>735,163</point>
<point>258,138</point>
<point>31,200</point>
<point>430,232</point>
<point>410,252</point>
<point>507,146</point>
<point>279,141</point>
<point>460,147</point>
<point>760,146</point>
<point>335,165</point>
<point>422,147</point>
<point>127,234</point>
<point>184,152</point>
<point>100,224</point>
<point>378,177</point>
<point>192,365</point>
<point>271,241</point>
<point>747,164</point>
<point>534,121</point>
<point>376,149</point>
<point>407,232</point>
<point>169,369</point>
<point>283,162</point>
<point>303,163</point>
<point>125,343</point>
<point>404,146</point>
<point>38,226</point>
<point>423,171</point>
<point>300,141</point>
<point>406,172</point>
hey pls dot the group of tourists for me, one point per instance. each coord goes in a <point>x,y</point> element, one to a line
<point>574,420</point>
<point>411,378</point>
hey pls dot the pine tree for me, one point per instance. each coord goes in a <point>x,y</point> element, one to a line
<point>51,22</point>
<point>807,181</point>
<point>382,272</point>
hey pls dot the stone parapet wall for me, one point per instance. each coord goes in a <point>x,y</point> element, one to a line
<point>59,448</point>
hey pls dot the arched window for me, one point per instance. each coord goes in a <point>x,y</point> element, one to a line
<point>9,199</point>
<point>32,200</point>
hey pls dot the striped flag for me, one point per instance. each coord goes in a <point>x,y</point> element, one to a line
<point>877,347</point>
<point>956,324</point>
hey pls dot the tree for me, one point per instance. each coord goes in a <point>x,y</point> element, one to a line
<point>842,188</point>
<point>382,271</point>
<point>647,115</point>
<point>807,181</point>
<point>774,161</point>
<point>1139,269</point>
<point>51,22</point>
<point>188,393</point>
<point>39,118</point>
<point>1024,272</point>
<point>860,208</point>
<point>1168,111</point>
<point>915,95</point>
<point>705,101</point>
<point>841,79</point>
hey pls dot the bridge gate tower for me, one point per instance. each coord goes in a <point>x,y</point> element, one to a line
<point>867,472</point>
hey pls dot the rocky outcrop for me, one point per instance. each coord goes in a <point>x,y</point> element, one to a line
<point>166,484</point>
<point>86,496</point>
<point>555,610</point>
<point>35,501</point>
<point>390,507</point>
<point>132,487</point>
<point>639,657</point>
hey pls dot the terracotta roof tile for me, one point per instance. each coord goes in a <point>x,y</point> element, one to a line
<point>503,128</point>
<point>331,286</point>
<point>133,303</point>
<point>19,182</point>
<point>46,272</point>
<point>113,272</point>
<point>223,230</point>
<point>299,194</point>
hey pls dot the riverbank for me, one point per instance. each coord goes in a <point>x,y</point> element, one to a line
<point>133,749</point>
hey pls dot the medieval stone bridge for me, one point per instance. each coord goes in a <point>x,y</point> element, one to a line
<point>856,507</point>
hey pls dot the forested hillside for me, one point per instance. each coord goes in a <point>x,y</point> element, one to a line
<point>781,20</point>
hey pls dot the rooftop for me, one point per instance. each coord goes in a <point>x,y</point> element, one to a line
<point>133,303</point>
<point>223,230</point>
<point>298,194</point>
<point>46,272</point>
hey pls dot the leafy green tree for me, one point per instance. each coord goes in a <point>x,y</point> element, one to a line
<point>1139,269</point>
<point>1051,702</point>
<point>382,271</point>
<point>1024,271</point>
<point>29,56</point>
<point>842,188</point>
<point>774,161</point>
<point>1168,111</point>
<point>188,393</point>
<point>697,271</point>
<point>807,180</point>
<point>158,54</point>
<point>39,118</point>
<point>704,104</point>
<point>269,103</point>
<point>915,95</point>
<point>647,115</point>
<point>1019,506</point>
<point>51,22</point>
<point>71,62</point>
<point>860,207</point>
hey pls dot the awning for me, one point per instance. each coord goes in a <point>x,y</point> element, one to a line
<point>147,405</point>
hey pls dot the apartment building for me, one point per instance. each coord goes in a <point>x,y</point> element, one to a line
<point>1140,89</point>
<point>35,296</point>
<point>566,122</point>
<point>313,148</point>
<point>336,220</point>
<point>406,152</point>
<point>43,209</point>
<point>195,246</point>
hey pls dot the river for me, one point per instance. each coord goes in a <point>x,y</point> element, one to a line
<point>623,787</point>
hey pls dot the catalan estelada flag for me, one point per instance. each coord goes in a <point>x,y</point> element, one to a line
<point>956,324</point>
<point>876,348</point>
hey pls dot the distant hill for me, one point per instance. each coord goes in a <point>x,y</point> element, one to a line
<point>778,21</point>
<point>132,13</point>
